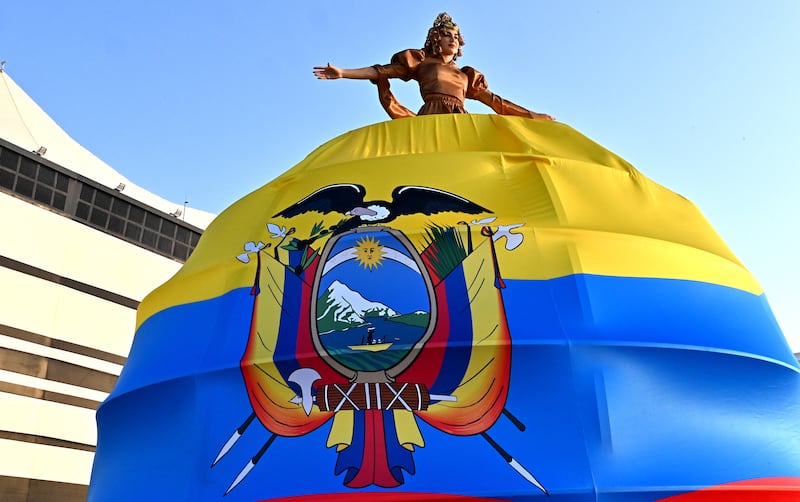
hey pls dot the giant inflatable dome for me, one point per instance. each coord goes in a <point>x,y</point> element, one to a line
<point>456,307</point>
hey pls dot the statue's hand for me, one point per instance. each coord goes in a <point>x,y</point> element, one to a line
<point>328,72</point>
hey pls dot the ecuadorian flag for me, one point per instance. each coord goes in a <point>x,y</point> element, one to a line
<point>456,307</point>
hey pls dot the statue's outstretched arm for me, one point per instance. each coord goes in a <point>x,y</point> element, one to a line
<point>378,75</point>
<point>478,89</point>
<point>331,72</point>
<point>505,107</point>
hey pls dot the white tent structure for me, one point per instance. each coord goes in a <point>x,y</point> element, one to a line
<point>24,124</point>
<point>80,246</point>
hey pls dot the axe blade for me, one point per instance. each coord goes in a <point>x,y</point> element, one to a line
<point>305,378</point>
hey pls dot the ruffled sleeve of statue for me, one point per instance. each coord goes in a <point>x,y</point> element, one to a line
<point>478,89</point>
<point>404,64</point>
<point>389,103</point>
<point>476,83</point>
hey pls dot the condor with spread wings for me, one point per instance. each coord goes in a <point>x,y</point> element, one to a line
<point>348,199</point>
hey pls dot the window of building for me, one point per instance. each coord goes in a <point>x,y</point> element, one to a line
<point>28,177</point>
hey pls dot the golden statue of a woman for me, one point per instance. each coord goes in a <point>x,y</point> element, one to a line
<point>443,85</point>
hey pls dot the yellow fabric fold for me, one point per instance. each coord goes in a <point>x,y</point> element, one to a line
<point>582,208</point>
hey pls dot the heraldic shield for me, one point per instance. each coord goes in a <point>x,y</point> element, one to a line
<point>373,307</point>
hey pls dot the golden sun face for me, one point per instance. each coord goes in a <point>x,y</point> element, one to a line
<point>369,253</point>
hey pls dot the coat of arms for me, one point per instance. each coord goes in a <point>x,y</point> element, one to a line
<point>355,325</point>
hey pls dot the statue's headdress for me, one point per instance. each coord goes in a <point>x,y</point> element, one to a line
<point>442,21</point>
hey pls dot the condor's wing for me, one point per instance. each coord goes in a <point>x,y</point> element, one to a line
<point>341,198</point>
<point>426,200</point>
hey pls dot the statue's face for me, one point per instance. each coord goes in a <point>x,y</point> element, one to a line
<point>448,42</point>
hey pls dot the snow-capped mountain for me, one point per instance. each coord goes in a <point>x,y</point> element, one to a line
<point>340,307</point>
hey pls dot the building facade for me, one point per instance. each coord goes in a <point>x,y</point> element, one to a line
<point>80,246</point>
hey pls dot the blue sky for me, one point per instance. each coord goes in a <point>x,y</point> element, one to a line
<point>386,281</point>
<point>206,101</point>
